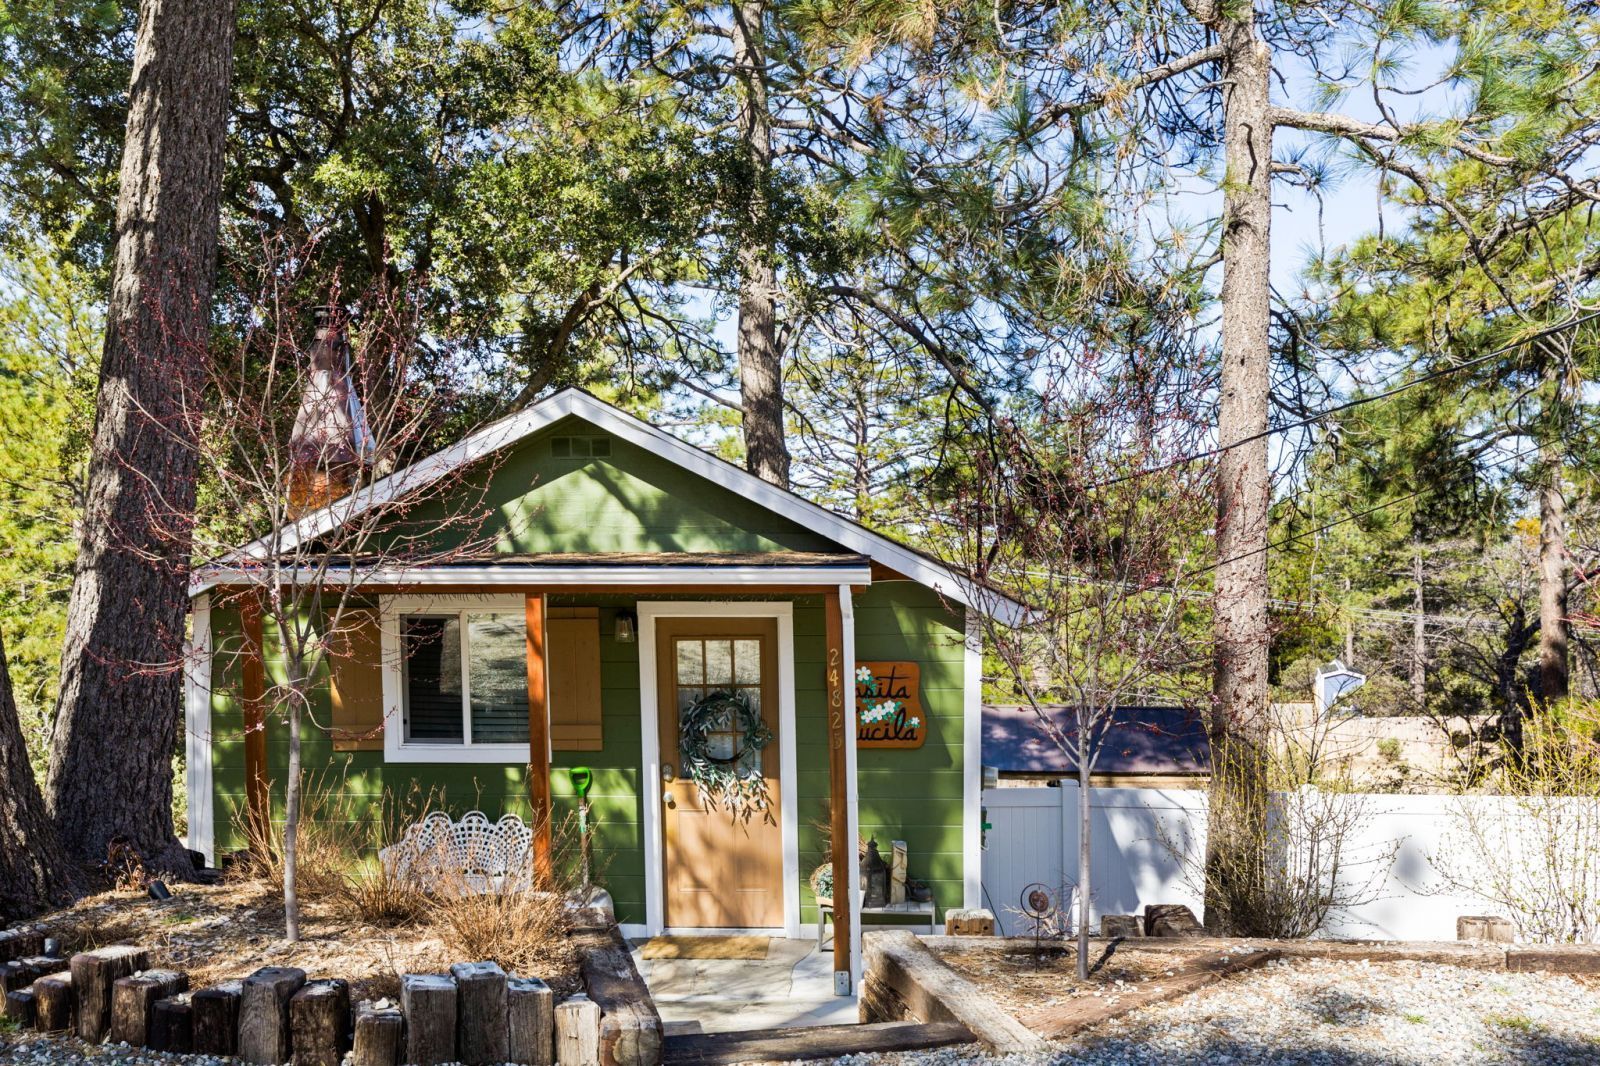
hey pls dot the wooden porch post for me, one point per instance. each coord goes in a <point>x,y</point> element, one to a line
<point>538,736</point>
<point>844,846</point>
<point>252,696</point>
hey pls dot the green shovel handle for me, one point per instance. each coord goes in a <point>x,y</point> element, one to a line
<point>582,780</point>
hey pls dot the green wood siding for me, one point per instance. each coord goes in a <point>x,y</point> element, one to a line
<point>633,501</point>
<point>356,781</point>
<point>916,795</point>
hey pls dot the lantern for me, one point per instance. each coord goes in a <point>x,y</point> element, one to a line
<point>874,877</point>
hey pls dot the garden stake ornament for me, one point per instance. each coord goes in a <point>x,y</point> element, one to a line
<point>1039,907</point>
<point>582,781</point>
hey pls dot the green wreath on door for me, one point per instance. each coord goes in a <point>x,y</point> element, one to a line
<point>720,781</point>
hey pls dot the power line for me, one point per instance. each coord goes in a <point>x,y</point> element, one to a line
<point>1273,545</point>
<point>1340,408</point>
<point>1387,504</point>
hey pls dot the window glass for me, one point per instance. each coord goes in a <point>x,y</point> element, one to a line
<point>432,672</point>
<point>691,662</point>
<point>747,662</point>
<point>719,663</point>
<point>497,678</point>
<point>724,739</point>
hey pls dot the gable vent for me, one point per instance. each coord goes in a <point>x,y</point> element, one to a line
<point>580,447</point>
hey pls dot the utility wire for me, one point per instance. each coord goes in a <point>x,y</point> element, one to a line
<point>1340,408</point>
<point>1356,516</point>
<point>1562,439</point>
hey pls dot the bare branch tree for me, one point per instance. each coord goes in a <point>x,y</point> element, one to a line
<point>294,441</point>
<point>1117,618</point>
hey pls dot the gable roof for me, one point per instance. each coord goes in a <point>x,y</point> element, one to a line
<point>575,403</point>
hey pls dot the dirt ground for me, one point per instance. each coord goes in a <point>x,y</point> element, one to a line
<point>1024,982</point>
<point>226,931</point>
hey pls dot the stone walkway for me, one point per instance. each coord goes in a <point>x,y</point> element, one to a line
<point>792,986</point>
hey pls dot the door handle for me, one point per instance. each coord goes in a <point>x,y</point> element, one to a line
<point>669,800</point>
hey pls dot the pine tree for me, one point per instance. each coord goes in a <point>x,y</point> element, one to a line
<point>35,871</point>
<point>117,715</point>
<point>1143,86</point>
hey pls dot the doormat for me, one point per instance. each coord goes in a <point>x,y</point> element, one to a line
<point>705,947</point>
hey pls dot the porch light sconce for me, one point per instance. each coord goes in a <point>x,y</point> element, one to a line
<point>625,627</point>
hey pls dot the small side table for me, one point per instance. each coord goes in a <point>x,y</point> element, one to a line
<point>928,908</point>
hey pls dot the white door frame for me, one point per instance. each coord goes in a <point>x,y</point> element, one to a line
<point>649,613</point>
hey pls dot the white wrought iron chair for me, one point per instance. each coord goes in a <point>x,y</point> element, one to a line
<point>473,855</point>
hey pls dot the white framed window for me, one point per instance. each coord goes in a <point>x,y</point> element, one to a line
<point>455,679</point>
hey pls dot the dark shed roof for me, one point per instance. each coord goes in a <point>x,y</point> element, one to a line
<point>1143,740</point>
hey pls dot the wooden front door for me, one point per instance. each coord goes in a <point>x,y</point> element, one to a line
<point>721,872</point>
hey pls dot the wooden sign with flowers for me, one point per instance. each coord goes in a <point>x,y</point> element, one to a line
<point>888,707</point>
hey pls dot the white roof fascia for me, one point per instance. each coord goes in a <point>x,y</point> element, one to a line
<point>519,576</point>
<point>572,402</point>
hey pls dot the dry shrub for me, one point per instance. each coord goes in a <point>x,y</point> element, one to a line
<point>1283,862</point>
<point>327,844</point>
<point>370,887</point>
<point>1530,848</point>
<point>124,868</point>
<point>526,932</point>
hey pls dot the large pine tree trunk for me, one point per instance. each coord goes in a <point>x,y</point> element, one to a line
<point>1554,682</point>
<point>760,360</point>
<point>1239,726</point>
<point>115,732</point>
<point>35,871</point>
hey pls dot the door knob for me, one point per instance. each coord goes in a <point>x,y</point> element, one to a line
<point>670,800</point>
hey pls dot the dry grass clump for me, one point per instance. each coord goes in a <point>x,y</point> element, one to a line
<point>379,897</point>
<point>329,838</point>
<point>525,932</point>
<point>372,889</point>
<point>88,930</point>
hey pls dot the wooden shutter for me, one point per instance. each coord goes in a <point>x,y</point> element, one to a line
<point>572,651</point>
<point>355,683</point>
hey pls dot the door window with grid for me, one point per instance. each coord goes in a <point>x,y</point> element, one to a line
<point>721,664</point>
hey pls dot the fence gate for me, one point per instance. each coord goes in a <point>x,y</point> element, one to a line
<point>1141,842</point>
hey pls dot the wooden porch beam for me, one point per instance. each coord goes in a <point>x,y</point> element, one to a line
<point>539,803</point>
<point>839,720</point>
<point>252,697</point>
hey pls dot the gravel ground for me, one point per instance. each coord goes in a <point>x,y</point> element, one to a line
<point>1319,1013</point>
<point>1301,1012</point>
<point>32,1050</point>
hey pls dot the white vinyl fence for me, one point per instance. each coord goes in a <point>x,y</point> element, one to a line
<point>1404,846</point>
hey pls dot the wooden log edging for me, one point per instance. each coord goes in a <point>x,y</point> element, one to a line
<point>811,1042</point>
<point>630,1026</point>
<point>904,981</point>
<point>276,1014</point>
<point>1476,955</point>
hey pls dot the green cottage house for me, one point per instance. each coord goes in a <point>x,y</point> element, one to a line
<point>634,580</point>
